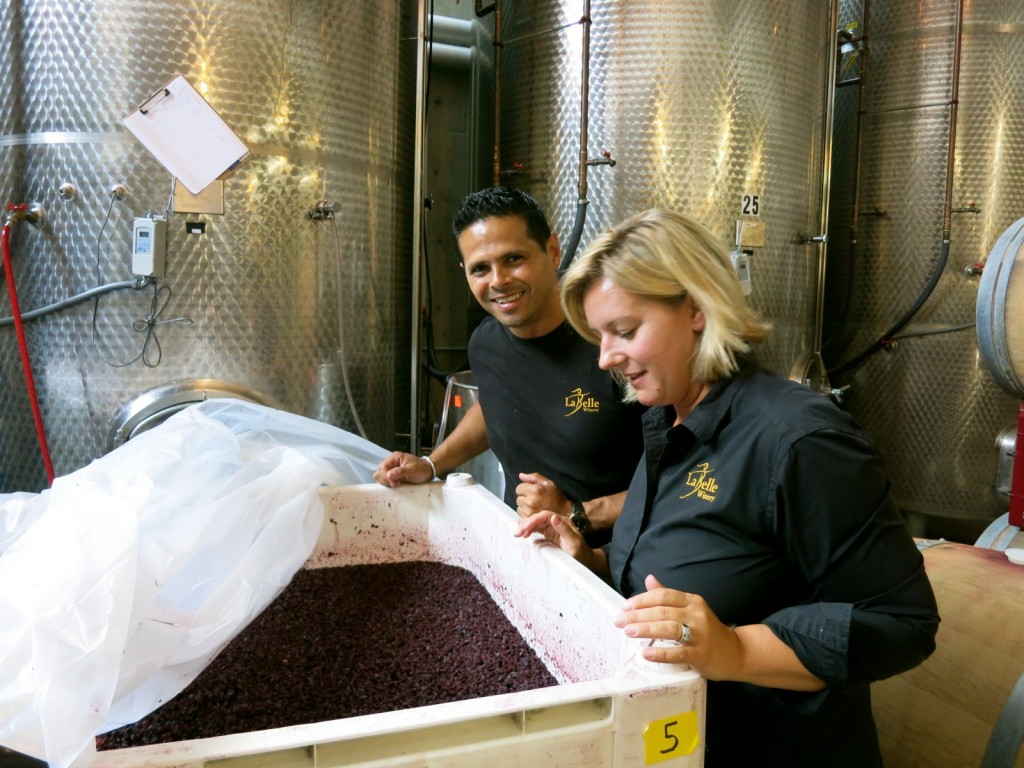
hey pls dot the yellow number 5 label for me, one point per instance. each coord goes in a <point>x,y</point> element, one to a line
<point>671,737</point>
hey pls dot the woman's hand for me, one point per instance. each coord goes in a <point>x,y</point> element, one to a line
<point>710,647</point>
<point>751,653</point>
<point>564,535</point>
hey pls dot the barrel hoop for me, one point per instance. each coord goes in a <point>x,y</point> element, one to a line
<point>1008,733</point>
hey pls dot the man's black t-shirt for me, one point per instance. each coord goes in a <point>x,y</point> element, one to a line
<point>550,409</point>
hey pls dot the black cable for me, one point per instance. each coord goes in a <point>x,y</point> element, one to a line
<point>844,311</point>
<point>145,324</point>
<point>148,324</point>
<point>431,363</point>
<point>933,331</point>
<point>99,240</point>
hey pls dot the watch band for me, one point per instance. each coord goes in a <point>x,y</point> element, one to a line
<point>579,517</point>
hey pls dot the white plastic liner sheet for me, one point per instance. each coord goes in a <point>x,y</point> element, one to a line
<point>120,583</point>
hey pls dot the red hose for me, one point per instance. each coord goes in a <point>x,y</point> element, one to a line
<point>25,362</point>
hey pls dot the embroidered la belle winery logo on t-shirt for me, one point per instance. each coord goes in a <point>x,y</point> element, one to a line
<point>703,485</point>
<point>578,400</point>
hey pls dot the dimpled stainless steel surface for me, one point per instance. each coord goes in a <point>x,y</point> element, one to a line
<point>699,104</point>
<point>322,93</point>
<point>929,403</point>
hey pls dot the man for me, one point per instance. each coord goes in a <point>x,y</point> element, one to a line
<point>556,422</point>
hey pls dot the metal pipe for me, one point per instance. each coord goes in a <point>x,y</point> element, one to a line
<point>78,298</point>
<point>569,250</point>
<point>419,195</point>
<point>539,32</point>
<point>858,150</point>
<point>954,101</point>
<point>569,253</point>
<point>809,369</point>
<point>584,99</point>
<point>826,174</point>
<point>499,44</point>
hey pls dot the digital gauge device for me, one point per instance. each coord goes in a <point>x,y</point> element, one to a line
<point>149,238</point>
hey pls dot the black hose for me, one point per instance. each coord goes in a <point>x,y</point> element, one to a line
<point>883,342</point>
<point>569,252</point>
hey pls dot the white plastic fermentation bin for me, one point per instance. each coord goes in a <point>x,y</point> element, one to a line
<point>610,708</point>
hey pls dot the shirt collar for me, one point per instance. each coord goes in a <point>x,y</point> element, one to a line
<point>704,421</point>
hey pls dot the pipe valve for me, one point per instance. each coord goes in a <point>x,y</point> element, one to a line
<point>517,169</point>
<point>324,209</point>
<point>971,207</point>
<point>605,159</point>
<point>29,212</point>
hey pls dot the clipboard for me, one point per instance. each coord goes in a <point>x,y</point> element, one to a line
<point>186,135</point>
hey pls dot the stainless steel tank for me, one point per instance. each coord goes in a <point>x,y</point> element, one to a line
<point>277,299</point>
<point>712,108</point>
<point>926,109</point>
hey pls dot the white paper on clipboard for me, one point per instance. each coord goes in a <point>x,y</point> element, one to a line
<point>187,136</point>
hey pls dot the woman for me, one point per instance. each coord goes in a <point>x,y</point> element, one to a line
<point>759,531</point>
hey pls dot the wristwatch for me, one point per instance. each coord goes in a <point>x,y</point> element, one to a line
<point>579,517</point>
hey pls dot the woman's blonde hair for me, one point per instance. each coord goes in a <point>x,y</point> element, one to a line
<point>666,256</point>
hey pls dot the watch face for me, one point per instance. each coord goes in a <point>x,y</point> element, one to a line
<point>579,517</point>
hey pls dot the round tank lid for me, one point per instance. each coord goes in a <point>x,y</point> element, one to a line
<point>150,408</point>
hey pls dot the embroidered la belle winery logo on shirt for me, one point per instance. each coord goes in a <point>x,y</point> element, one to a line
<point>578,400</point>
<point>701,482</point>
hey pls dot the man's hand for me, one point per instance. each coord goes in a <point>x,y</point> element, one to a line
<point>401,468</point>
<point>536,493</point>
<point>536,499</point>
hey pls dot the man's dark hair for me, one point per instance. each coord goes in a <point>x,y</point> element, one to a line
<point>502,202</point>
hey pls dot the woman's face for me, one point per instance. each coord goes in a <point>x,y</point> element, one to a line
<point>649,342</point>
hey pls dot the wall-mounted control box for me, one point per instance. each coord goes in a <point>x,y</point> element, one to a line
<point>149,241</point>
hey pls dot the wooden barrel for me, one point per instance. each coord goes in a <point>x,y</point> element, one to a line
<point>999,312</point>
<point>1001,535</point>
<point>942,712</point>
